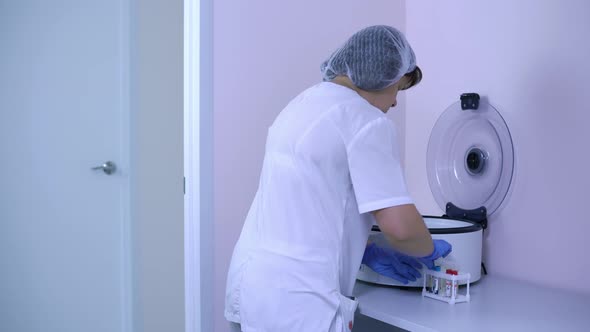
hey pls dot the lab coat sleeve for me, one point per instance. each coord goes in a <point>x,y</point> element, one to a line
<point>375,167</point>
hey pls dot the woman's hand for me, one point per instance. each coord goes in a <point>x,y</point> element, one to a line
<point>391,264</point>
<point>441,249</point>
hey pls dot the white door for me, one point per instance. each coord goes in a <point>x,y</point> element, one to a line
<point>64,109</point>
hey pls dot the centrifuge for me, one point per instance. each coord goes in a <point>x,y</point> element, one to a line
<point>469,165</point>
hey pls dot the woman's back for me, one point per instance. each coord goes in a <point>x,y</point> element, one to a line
<point>291,244</point>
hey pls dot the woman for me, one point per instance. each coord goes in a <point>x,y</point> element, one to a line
<point>331,169</point>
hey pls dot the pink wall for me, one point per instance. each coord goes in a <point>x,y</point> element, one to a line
<point>532,59</point>
<point>265,53</point>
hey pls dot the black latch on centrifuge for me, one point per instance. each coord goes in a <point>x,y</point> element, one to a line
<point>479,215</point>
<point>469,101</point>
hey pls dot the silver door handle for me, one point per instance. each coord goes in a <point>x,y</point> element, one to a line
<point>109,167</point>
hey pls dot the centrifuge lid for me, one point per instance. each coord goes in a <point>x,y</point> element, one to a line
<point>470,158</point>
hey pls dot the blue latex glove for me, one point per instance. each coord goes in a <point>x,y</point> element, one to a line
<point>441,249</point>
<point>391,264</point>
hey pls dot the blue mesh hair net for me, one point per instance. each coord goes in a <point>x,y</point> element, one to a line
<point>373,58</point>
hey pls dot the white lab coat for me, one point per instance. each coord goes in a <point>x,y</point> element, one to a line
<point>330,158</point>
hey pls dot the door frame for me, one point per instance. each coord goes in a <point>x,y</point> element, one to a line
<point>198,164</point>
<point>125,45</point>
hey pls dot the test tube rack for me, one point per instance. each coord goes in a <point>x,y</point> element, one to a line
<point>454,297</point>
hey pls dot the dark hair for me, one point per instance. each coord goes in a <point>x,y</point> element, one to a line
<point>414,77</point>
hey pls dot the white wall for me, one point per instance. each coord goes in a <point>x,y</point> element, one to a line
<point>265,53</point>
<point>157,164</point>
<point>530,58</point>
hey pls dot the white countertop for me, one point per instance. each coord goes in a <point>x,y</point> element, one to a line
<point>497,304</point>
